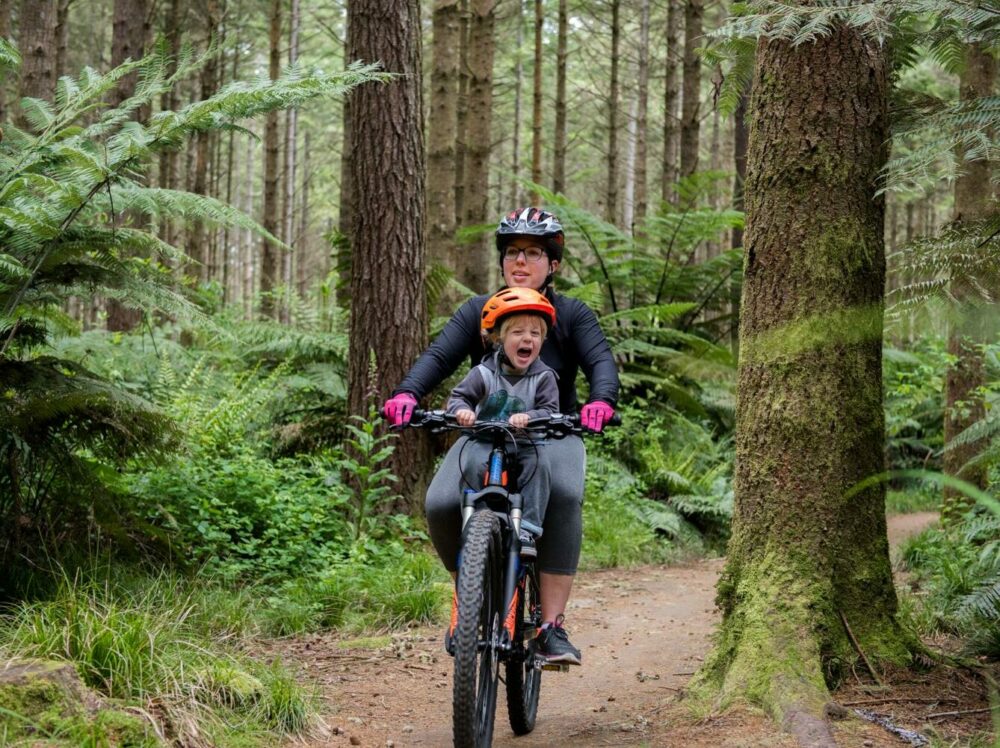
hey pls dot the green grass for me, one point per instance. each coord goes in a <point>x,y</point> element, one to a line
<point>135,642</point>
<point>909,500</point>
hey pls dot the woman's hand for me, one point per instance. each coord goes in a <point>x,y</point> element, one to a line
<point>519,420</point>
<point>465,417</point>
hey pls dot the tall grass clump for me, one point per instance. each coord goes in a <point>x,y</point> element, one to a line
<point>141,642</point>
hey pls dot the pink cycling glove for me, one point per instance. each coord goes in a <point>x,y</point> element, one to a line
<point>399,409</point>
<point>594,415</point>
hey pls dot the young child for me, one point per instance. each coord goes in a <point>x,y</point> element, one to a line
<point>514,385</point>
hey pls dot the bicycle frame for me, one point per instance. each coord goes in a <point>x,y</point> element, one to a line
<point>508,506</point>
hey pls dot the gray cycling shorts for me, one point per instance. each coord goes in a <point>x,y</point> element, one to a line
<point>559,545</point>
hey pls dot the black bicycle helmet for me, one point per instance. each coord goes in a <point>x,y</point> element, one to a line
<point>532,222</point>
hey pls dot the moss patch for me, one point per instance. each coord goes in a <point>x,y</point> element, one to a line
<point>46,700</point>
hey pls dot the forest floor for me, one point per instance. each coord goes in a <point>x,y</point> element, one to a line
<point>643,632</point>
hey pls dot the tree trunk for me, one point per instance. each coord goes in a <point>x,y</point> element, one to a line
<point>249,255</point>
<point>342,248</point>
<point>628,199</point>
<point>129,34</point>
<point>291,154</point>
<point>515,165</point>
<point>611,192</point>
<point>36,40</point>
<point>694,11</point>
<point>559,143</point>
<point>475,259</point>
<point>305,265</point>
<point>198,243</point>
<point>389,308</point>
<point>441,139</point>
<point>270,255</point>
<point>169,102</point>
<point>461,136</point>
<point>62,36</point>
<point>668,174</point>
<point>5,8</point>
<point>740,135</point>
<point>536,104</point>
<point>967,333</point>
<point>641,124</point>
<point>805,553</point>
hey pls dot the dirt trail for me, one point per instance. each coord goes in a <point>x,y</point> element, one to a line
<point>643,632</point>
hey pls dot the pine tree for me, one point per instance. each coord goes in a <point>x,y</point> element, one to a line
<point>809,554</point>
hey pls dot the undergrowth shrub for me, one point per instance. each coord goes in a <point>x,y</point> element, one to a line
<point>958,573</point>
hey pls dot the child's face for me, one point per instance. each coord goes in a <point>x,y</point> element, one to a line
<point>522,341</point>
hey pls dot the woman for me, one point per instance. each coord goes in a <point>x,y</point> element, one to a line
<point>530,245</point>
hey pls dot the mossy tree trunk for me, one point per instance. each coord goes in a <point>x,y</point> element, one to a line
<point>966,336</point>
<point>805,550</point>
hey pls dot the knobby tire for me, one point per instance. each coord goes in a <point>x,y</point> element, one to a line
<point>524,680</point>
<point>474,695</point>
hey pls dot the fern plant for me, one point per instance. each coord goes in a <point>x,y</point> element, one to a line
<point>65,183</point>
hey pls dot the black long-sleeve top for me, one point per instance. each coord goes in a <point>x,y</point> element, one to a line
<point>576,342</point>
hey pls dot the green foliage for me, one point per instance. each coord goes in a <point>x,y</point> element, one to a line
<point>135,639</point>
<point>914,407</point>
<point>656,487</point>
<point>664,314</point>
<point>75,218</point>
<point>381,586</point>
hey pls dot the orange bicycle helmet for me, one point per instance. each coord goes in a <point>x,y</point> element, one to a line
<point>516,301</point>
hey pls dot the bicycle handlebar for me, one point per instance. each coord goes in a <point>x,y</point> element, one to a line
<point>554,425</point>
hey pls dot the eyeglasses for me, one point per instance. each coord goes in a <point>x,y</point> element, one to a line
<point>531,254</point>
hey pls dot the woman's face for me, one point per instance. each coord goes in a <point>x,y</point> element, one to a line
<point>525,273</point>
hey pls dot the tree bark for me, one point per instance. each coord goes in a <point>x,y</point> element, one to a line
<point>198,243</point>
<point>5,8</point>
<point>474,262</point>
<point>809,422</point>
<point>270,255</point>
<point>441,138</point>
<point>669,170</point>
<point>291,165</point>
<point>515,165</point>
<point>967,336</point>
<point>169,102</point>
<point>740,135</point>
<point>305,265</point>
<point>129,34</point>
<point>36,40</point>
<point>461,136</point>
<point>641,123</point>
<point>536,103</point>
<point>342,248</point>
<point>559,142</point>
<point>62,36</point>
<point>388,327</point>
<point>611,191</point>
<point>694,11</point>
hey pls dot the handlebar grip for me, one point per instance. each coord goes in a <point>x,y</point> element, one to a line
<point>616,420</point>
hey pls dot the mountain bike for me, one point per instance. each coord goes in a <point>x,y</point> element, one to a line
<point>499,606</point>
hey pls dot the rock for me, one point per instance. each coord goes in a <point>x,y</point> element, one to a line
<point>355,740</point>
<point>834,710</point>
<point>51,698</point>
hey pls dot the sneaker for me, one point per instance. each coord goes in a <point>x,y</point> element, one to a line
<point>552,643</point>
<point>449,634</point>
<point>528,549</point>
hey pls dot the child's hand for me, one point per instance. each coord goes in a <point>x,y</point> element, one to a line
<point>465,417</point>
<point>519,420</point>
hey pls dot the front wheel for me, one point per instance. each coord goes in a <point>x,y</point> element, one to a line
<point>477,633</point>
<point>524,680</point>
